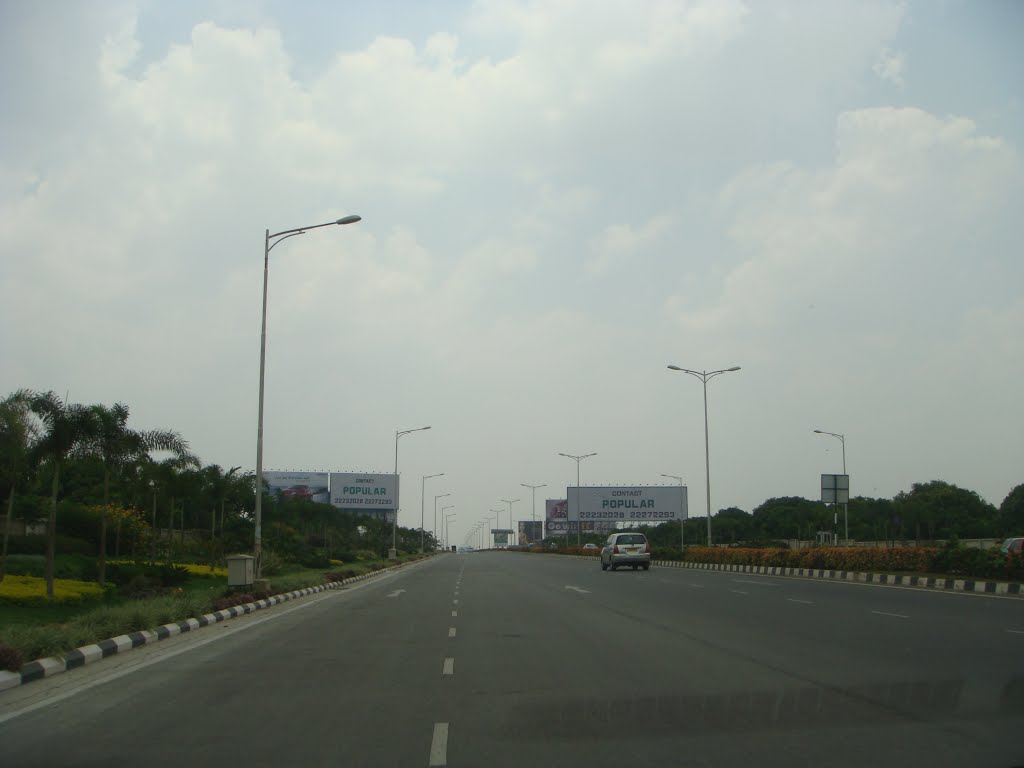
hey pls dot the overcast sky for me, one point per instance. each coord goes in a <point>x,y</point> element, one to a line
<point>559,199</point>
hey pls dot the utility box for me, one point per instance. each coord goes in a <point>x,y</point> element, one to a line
<point>241,570</point>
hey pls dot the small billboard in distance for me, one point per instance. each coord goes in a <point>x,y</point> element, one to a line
<point>311,486</point>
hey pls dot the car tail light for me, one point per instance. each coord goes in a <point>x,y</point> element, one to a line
<point>616,550</point>
<point>647,549</point>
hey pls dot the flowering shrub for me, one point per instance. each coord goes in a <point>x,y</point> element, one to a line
<point>31,590</point>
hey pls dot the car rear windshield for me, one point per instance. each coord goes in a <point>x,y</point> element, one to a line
<point>631,538</point>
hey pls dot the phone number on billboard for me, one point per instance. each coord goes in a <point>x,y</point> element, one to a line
<point>360,502</point>
<point>639,514</point>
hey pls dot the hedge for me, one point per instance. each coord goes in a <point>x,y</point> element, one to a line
<point>31,590</point>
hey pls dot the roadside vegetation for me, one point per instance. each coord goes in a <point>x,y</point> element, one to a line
<point>108,529</point>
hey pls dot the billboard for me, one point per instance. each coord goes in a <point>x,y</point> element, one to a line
<point>364,492</point>
<point>637,503</point>
<point>500,538</point>
<point>297,485</point>
<point>556,517</point>
<point>530,531</point>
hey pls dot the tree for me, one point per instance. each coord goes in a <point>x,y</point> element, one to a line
<point>17,434</point>
<point>117,445</point>
<point>789,516</point>
<point>937,509</point>
<point>64,428</point>
<point>1011,512</point>
<point>732,525</point>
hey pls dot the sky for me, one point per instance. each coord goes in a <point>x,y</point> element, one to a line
<point>559,198</point>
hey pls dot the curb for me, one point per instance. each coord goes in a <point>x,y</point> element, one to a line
<point>87,654</point>
<point>1006,588</point>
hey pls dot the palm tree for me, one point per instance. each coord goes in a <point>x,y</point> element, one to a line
<point>117,445</point>
<point>64,428</point>
<point>17,435</point>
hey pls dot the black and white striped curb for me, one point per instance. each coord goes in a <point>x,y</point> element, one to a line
<point>87,654</point>
<point>1009,588</point>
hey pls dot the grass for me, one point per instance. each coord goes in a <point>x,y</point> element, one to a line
<point>39,631</point>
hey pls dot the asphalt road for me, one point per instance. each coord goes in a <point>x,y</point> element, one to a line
<point>507,659</point>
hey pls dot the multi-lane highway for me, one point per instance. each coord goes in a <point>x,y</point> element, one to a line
<point>506,659</point>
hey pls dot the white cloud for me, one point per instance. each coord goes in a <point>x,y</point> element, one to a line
<point>891,66</point>
<point>621,242</point>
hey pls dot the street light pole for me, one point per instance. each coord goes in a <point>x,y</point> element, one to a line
<point>577,459</point>
<point>439,496</point>
<point>423,490</point>
<point>682,521</point>
<point>846,505</point>
<point>704,376</point>
<point>510,502</point>
<point>533,513</point>
<point>270,240</point>
<point>444,528</point>
<point>393,552</point>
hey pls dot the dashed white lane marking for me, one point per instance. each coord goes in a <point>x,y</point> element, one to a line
<point>451,631</point>
<point>696,586</point>
<point>449,666</point>
<point>894,615</point>
<point>739,592</point>
<point>578,589</point>
<point>439,745</point>
<point>759,583</point>
<point>455,613</point>
<point>1016,631</point>
<point>794,600</point>
<point>455,601</point>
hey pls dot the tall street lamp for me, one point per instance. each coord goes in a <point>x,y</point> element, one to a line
<point>682,533</point>
<point>704,376</point>
<point>393,552</point>
<point>269,242</point>
<point>448,519</point>
<point>846,506</point>
<point>439,496</point>
<point>423,490</point>
<point>497,524</point>
<point>578,459</point>
<point>533,513</point>
<point>487,528</point>
<point>510,502</point>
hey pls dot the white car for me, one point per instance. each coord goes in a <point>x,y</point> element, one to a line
<point>626,549</point>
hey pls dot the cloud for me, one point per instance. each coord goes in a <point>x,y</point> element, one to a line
<point>621,242</point>
<point>890,66</point>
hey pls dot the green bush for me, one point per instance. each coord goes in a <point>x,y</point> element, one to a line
<point>10,659</point>
<point>26,565</point>
<point>35,544</point>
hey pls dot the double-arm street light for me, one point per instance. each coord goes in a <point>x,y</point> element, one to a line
<point>447,519</point>
<point>846,507</point>
<point>393,552</point>
<point>439,496</point>
<point>578,459</point>
<point>423,491</point>
<point>486,531</point>
<point>533,514</point>
<point>682,533</point>
<point>704,376</point>
<point>269,242</point>
<point>497,523</point>
<point>510,502</point>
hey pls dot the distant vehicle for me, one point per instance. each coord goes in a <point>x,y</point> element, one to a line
<point>626,549</point>
<point>297,492</point>
<point>590,547</point>
<point>1012,545</point>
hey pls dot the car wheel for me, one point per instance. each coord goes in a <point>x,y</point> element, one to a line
<point>613,566</point>
<point>647,567</point>
<point>604,567</point>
